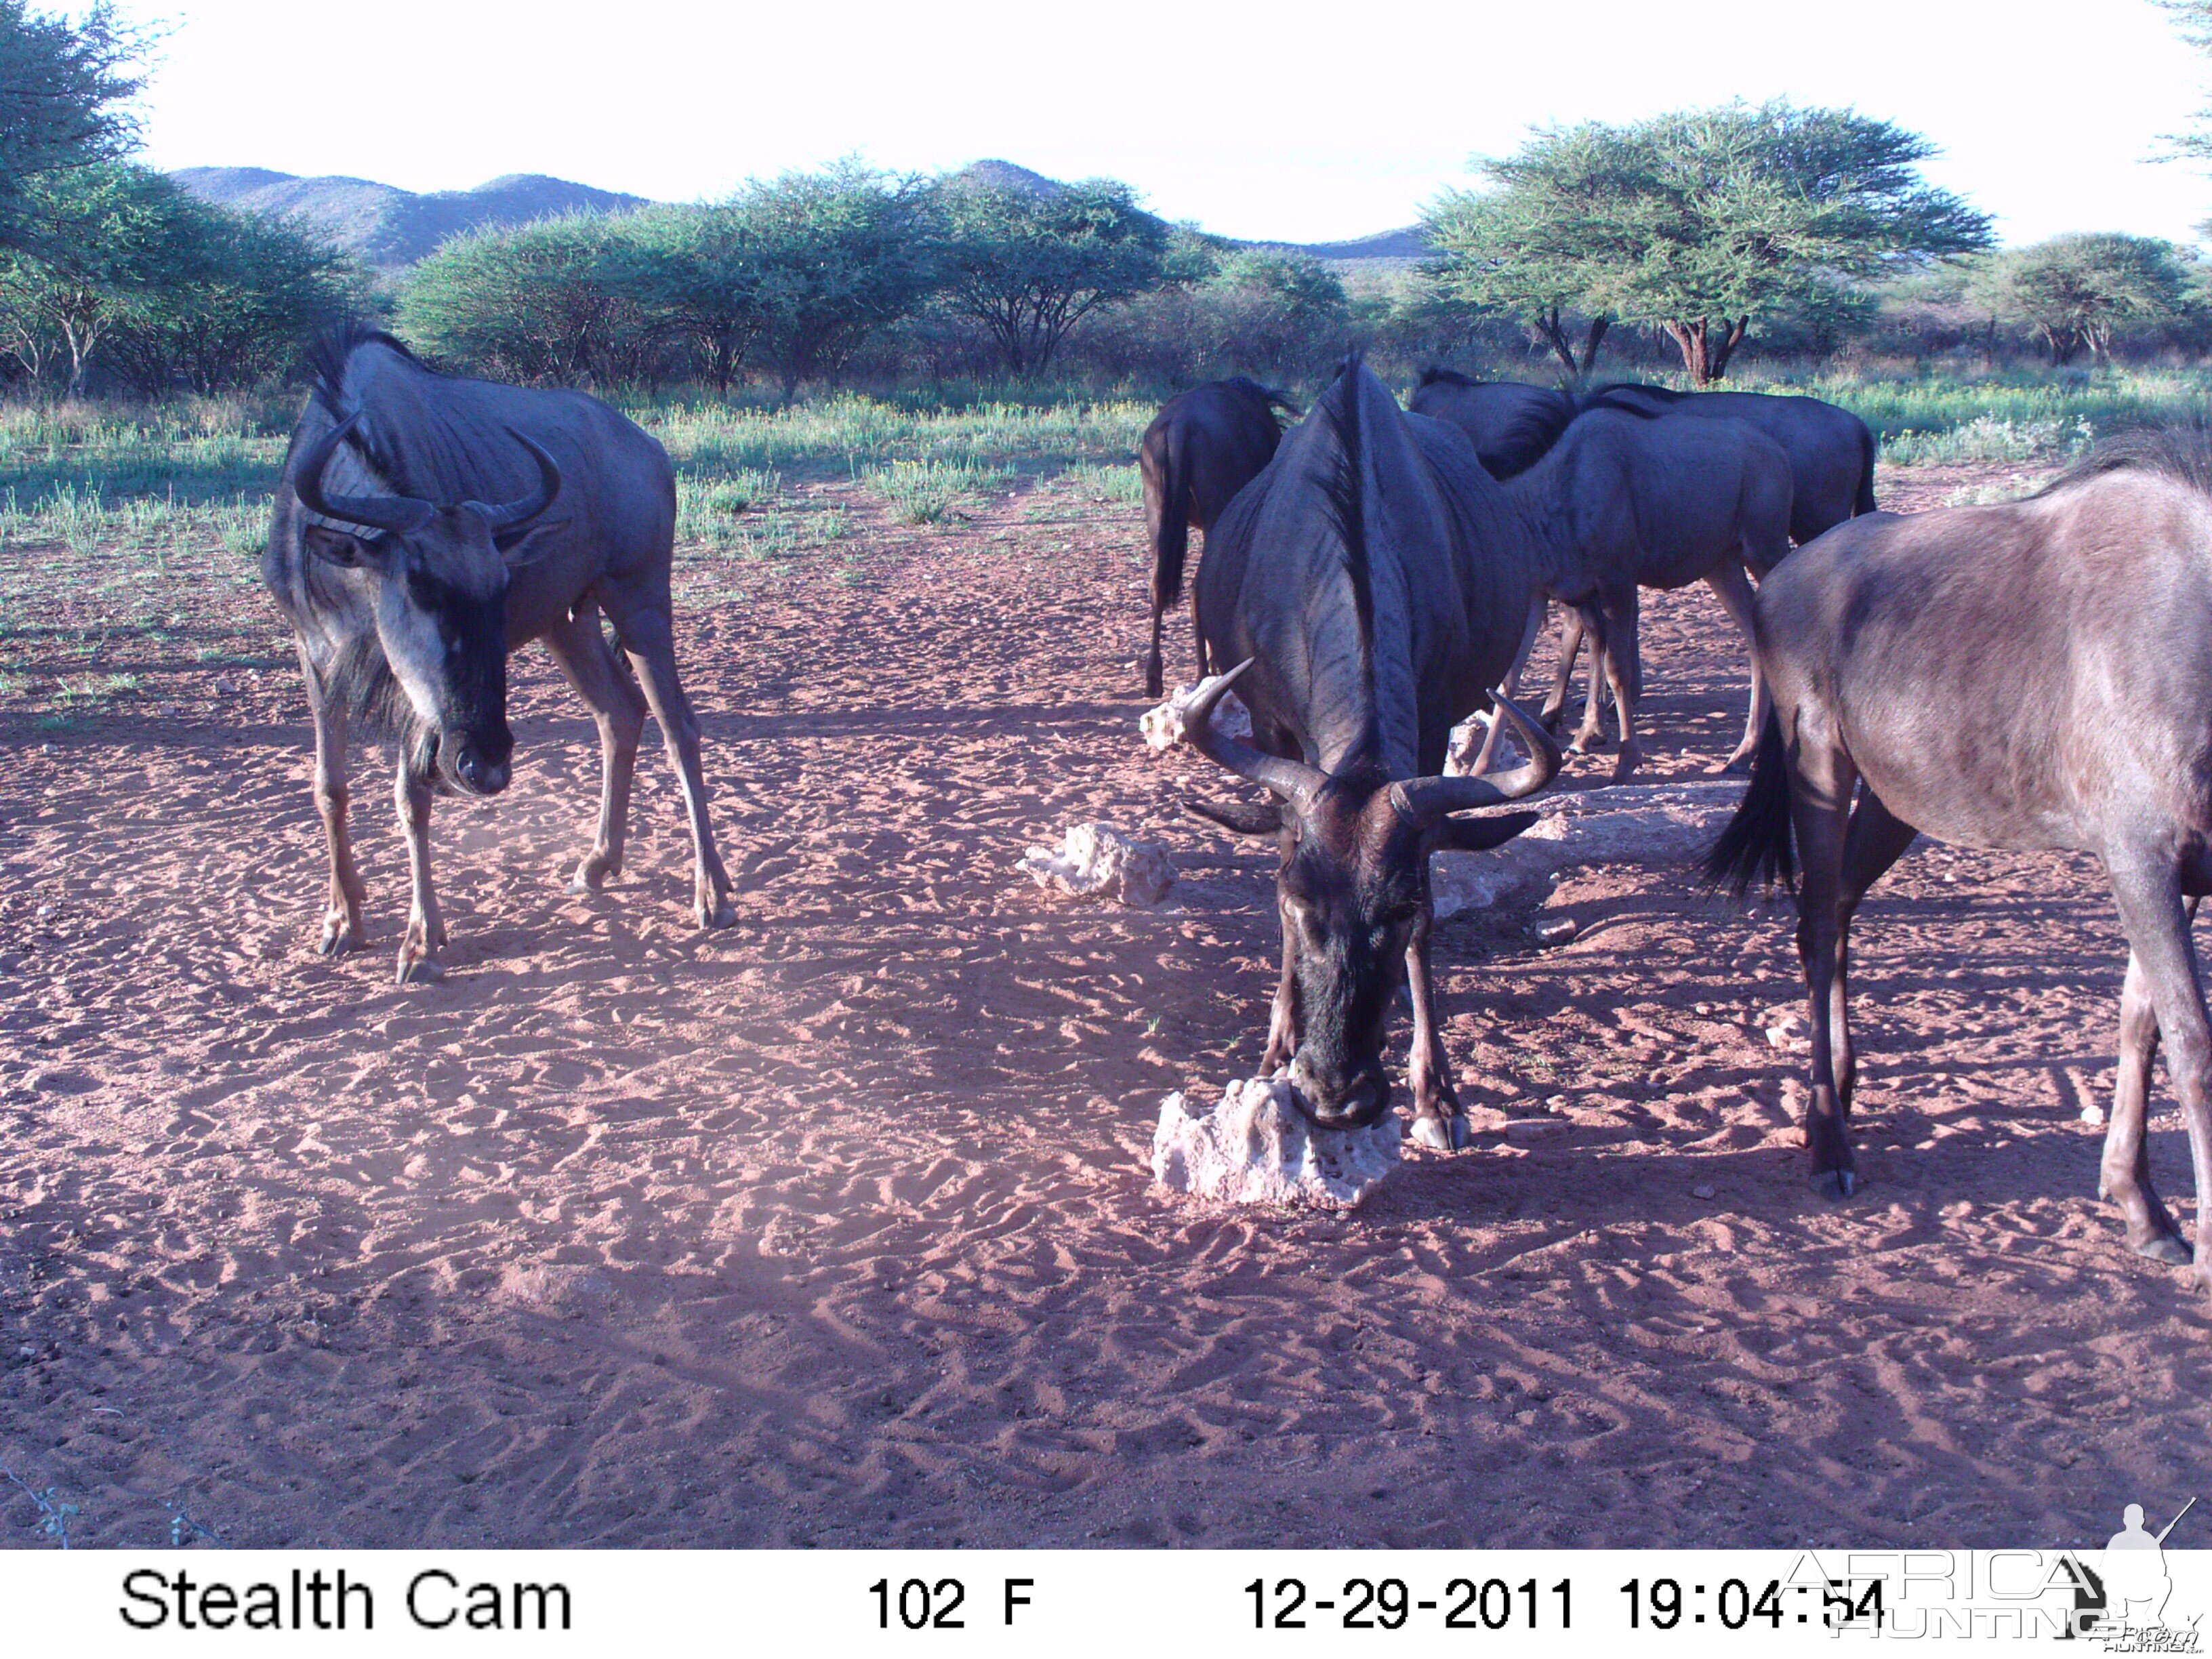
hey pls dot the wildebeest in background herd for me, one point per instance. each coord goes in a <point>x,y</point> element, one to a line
<point>2033,675</point>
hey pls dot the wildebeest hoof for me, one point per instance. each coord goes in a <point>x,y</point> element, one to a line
<point>1835,1183</point>
<point>1736,765</point>
<point>592,874</point>
<point>1430,1132</point>
<point>722,914</point>
<point>2164,1247</point>
<point>338,939</point>
<point>419,970</point>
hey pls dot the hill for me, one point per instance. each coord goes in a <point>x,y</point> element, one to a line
<point>388,228</point>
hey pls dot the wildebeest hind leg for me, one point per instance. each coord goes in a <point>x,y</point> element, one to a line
<point>2156,923</point>
<point>1438,1119</point>
<point>1623,667</point>
<point>341,929</point>
<point>1876,839</point>
<point>426,929</point>
<point>651,643</point>
<point>2123,1173</point>
<point>1820,799</point>
<point>618,709</point>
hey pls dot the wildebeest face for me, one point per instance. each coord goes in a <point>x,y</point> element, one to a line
<point>1353,888</point>
<point>1353,893</point>
<point>440,577</point>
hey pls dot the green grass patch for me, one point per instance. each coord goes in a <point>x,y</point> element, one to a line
<point>929,492</point>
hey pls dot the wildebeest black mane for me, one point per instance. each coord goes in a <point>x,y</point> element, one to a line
<point>1529,436</point>
<point>2182,453</point>
<point>1437,375</point>
<point>1267,394</point>
<point>1346,492</point>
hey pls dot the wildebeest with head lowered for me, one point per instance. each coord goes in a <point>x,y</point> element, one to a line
<point>1830,450</point>
<point>425,526</point>
<point>1203,446</point>
<point>1370,587</point>
<point>2033,675</point>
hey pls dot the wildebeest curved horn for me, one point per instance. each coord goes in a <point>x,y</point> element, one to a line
<point>402,513</point>
<point>1293,780</point>
<point>505,515</point>
<point>1425,800</point>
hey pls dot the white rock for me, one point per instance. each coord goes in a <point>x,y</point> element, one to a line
<point>1098,860</point>
<point>1787,1030</point>
<point>1465,742</point>
<point>1634,824</point>
<point>1163,726</point>
<point>1257,1147</point>
<point>2093,1115</point>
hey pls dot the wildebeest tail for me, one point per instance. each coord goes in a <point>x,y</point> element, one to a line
<point>1867,453</point>
<point>1759,846</point>
<point>1172,544</point>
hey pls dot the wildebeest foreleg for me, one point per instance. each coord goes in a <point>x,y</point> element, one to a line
<point>2123,1175</point>
<point>341,929</point>
<point>426,930</point>
<point>1820,799</point>
<point>1438,1119</point>
<point>608,691</point>
<point>1732,588</point>
<point>1283,1019</point>
<point>2151,916</point>
<point>1624,668</point>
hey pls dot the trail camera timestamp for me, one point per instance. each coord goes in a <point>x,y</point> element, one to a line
<point>1734,1604</point>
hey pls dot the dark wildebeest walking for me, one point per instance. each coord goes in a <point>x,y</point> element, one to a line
<point>1494,413</point>
<point>1830,450</point>
<point>1203,446</point>
<point>1370,587</point>
<point>424,527</point>
<point>2034,675</point>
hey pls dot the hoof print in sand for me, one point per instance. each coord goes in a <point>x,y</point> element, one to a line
<point>1163,726</point>
<point>1096,861</point>
<point>1257,1147</point>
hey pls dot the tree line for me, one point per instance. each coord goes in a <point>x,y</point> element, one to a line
<point>1702,234</point>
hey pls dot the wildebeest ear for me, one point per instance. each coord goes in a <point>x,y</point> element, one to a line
<point>520,547</point>
<point>1478,835</point>
<point>343,547</point>
<point>1246,818</point>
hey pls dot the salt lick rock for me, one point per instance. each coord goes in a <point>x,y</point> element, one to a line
<point>1669,822</point>
<point>1257,1147</point>
<point>1163,726</point>
<point>1097,860</point>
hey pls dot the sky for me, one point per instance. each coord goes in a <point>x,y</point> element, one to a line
<point>1282,121</point>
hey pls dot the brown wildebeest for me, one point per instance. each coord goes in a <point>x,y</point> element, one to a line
<point>2033,675</point>
<point>1370,587</point>
<point>424,527</point>
<point>1832,451</point>
<point>1203,446</point>
<point>1623,502</point>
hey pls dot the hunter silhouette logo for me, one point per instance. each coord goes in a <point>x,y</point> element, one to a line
<point>2123,1598</point>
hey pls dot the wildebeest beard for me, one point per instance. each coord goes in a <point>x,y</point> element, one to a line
<point>470,684</point>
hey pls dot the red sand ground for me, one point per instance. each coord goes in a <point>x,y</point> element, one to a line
<point>835,1228</point>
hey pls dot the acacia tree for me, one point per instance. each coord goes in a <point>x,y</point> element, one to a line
<point>837,256</point>
<point>699,271</point>
<point>98,241</point>
<point>64,89</point>
<point>541,302</point>
<point>2076,291</point>
<point>1698,223</point>
<point>1030,264</point>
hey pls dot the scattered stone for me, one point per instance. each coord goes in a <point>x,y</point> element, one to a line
<point>1786,1030</point>
<point>1163,726</point>
<point>1702,1192</point>
<point>1668,824</point>
<point>557,1287</point>
<point>1257,1147</point>
<point>2093,1115</point>
<point>1533,1128</point>
<point>1098,860</point>
<point>1557,932</point>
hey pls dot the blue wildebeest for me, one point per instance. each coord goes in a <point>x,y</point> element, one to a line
<point>1203,446</point>
<point>1370,587</point>
<point>2033,675</point>
<point>1494,413</point>
<point>427,525</point>
<point>1830,450</point>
